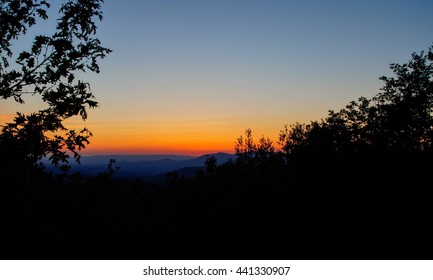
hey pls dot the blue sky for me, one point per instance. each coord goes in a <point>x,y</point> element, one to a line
<point>210,69</point>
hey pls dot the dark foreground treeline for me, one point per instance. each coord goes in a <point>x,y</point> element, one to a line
<point>355,185</point>
<point>350,206</point>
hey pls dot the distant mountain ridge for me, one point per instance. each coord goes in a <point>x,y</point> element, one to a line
<point>145,166</point>
<point>100,159</point>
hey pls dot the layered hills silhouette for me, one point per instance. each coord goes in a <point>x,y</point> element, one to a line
<point>152,168</point>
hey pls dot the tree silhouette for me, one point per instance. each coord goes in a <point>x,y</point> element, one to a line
<point>252,154</point>
<point>405,104</point>
<point>48,69</point>
<point>211,164</point>
<point>398,119</point>
<point>245,148</point>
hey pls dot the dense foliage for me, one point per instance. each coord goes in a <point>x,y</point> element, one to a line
<point>48,69</point>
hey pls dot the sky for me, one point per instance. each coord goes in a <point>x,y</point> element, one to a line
<point>188,77</point>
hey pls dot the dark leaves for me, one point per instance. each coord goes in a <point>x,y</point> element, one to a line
<point>48,68</point>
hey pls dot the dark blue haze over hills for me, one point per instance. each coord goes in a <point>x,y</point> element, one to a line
<point>152,168</point>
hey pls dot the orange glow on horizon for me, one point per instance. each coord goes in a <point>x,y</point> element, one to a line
<point>176,145</point>
<point>187,151</point>
<point>193,138</point>
<point>192,147</point>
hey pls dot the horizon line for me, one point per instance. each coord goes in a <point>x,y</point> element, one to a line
<point>152,154</point>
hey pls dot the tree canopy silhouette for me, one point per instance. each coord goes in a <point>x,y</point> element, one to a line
<point>48,68</point>
<point>398,119</point>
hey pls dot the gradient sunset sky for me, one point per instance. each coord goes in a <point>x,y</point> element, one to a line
<point>188,77</point>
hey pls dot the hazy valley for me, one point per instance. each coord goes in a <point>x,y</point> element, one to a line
<point>151,168</point>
